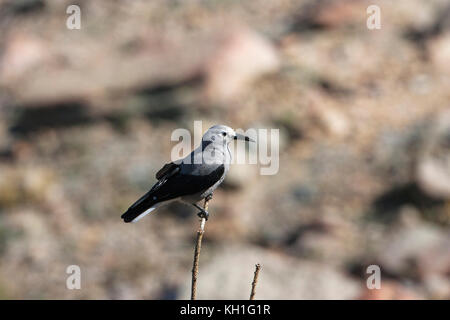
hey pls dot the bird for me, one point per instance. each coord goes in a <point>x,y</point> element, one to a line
<point>192,178</point>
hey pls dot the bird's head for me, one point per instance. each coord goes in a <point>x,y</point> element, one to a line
<point>223,134</point>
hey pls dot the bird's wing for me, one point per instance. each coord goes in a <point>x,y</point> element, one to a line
<point>182,184</point>
<point>168,168</point>
<point>165,173</point>
<point>173,184</point>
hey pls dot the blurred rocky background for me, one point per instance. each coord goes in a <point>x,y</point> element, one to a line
<point>364,117</point>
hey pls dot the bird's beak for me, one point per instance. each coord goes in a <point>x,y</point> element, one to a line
<point>239,136</point>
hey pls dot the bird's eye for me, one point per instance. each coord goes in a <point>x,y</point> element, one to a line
<point>224,134</point>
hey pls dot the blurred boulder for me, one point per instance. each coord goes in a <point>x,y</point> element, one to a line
<point>22,185</point>
<point>415,251</point>
<point>22,54</point>
<point>433,168</point>
<point>9,187</point>
<point>328,116</point>
<point>241,57</point>
<point>436,260</point>
<point>438,286</point>
<point>327,238</point>
<point>439,49</point>
<point>338,13</point>
<point>328,14</point>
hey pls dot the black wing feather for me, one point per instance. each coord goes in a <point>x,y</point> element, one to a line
<point>172,184</point>
<point>168,168</point>
<point>186,184</point>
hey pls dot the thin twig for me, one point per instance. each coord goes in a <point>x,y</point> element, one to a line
<point>198,247</point>
<point>255,281</point>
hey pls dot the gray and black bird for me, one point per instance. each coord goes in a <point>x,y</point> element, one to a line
<point>190,179</point>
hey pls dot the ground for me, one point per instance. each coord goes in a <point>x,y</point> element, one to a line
<point>86,118</point>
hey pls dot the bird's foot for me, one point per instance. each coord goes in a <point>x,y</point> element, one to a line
<point>203,213</point>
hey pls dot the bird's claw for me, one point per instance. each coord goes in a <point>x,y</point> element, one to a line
<point>203,214</point>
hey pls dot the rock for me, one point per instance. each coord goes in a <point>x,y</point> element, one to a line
<point>328,14</point>
<point>325,112</point>
<point>10,186</point>
<point>340,13</point>
<point>433,169</point>
<point>439,49</point>
<point>37,182</point>
<point>327,238</point>
<point>22,53</point>
<point>438,286</point>
<point>435,262</point>
<point>243,56</point>
<point>416,251</point>
<point>84,66</point>
<point>29,184</point>
<point>334,121</point>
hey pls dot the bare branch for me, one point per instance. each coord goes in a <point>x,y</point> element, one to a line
<point>198,247</point>
<point>255,281</point>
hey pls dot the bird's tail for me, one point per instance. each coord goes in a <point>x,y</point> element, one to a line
<point>136,213</point>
